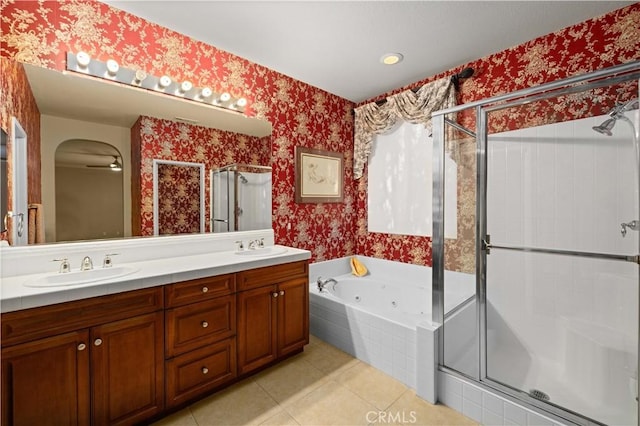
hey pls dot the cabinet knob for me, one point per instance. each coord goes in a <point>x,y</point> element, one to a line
<point>97,342</point>
<point>205,324</point>
<point>82,347</point>
<point>205,370</point>
<point>274,294</point>
<point>205,289</point>
<point>281,292</point>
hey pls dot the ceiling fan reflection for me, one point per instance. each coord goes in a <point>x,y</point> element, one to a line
<point>115,166</point>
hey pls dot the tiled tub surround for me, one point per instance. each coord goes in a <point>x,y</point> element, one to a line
<point>158,261</point>
<point>384,318</point>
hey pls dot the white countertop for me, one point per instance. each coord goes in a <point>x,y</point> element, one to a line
<point>14,295</point>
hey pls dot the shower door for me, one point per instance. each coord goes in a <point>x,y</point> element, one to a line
<point>559,270</point>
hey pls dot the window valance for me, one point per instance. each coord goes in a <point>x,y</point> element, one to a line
<point>415,107</point>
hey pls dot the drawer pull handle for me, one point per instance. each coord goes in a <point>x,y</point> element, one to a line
<point>82,347</point>
<point>274,294</point>
<point>205,370</point>
<point>281,292</point>
<point>205,324</point>
<point>97,342</point>
<point>205,289</point>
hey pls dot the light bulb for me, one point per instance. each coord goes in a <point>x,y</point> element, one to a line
<point>112,67</point>
<point>83,59</point>
<point>139,76</point>
<point>206,92</point>
<point>225,97</point>
<point>241,103</point>
<point>186,86</point>
<point>164,82</point>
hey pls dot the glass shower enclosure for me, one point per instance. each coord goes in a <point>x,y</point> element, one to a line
<point>555,244</point>
<point>240,198</point>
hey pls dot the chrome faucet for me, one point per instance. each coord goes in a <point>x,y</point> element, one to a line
<point>107,262</point>
<point>65,266</point>
<point>634,225</point>
<point>256,243</point>
<point>86,264</point>
<point>322,284</point>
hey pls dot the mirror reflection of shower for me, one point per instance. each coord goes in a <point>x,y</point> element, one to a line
<point>605,128</point>
<point>240,198</point>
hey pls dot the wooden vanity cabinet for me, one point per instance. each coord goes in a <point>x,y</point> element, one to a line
<point>273,313</point>
<point>123,359</point>
<point>200,337</point>
<point>107,372</point>
<point>46,382</point>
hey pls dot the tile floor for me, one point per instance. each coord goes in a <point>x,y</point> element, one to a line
<point>321,386</point>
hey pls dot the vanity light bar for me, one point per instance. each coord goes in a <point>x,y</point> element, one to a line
<point>111,70</point>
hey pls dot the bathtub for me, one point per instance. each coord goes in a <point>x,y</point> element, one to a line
<point>384,318</point>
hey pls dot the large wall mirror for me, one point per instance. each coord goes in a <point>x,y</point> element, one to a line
<point>90,124</point>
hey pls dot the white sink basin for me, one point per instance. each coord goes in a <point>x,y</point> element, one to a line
<point>80,277</point>
<point>267,251</point>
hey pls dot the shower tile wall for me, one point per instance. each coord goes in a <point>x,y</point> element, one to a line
<point>563,320</point>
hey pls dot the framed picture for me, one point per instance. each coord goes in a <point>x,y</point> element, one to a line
<point>319,176</point>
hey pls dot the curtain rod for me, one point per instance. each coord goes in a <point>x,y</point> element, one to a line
<point>455,79</point>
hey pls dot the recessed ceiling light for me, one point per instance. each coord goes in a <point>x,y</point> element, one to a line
<point>391,58</point>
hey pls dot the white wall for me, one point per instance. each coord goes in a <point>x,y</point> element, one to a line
<point>54,131</point>
<point>89,204</point>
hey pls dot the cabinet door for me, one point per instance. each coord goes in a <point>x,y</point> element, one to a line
<point>46,382</point>
<point>127,370</point>
<point>257,334</point>
<point>293,315</point>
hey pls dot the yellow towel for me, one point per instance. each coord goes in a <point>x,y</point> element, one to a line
<point>357,268</point>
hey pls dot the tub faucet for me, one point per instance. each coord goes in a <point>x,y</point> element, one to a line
<point>322,284</point>
<point>86,264</point>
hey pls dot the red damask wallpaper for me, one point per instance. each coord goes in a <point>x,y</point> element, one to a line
<point>179,192</point>
<point>158,139</point>
<point>597,43</point>
<point>42,32</point>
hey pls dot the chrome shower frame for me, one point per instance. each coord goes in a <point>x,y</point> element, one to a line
<point>581,83</point>
<point>236,169</point>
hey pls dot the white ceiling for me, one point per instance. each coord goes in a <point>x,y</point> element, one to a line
<point>337,45</point>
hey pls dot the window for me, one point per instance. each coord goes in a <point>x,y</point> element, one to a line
<point>400,183</point>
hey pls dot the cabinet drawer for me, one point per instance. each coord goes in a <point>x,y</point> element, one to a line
<point>30,324</point>
<point>201,289</point>
<point>199,371</point>
<point>254,278</point>
<point>192,326</point>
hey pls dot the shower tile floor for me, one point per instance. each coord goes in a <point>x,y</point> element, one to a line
<point>321,386</point>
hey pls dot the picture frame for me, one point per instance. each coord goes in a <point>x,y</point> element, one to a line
<point>319,176</point>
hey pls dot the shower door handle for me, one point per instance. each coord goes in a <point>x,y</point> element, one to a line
<point>487,246</point>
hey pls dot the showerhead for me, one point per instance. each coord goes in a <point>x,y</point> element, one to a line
<point>242,178</point>
<point>616,113</point>
<point>605,127</point>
